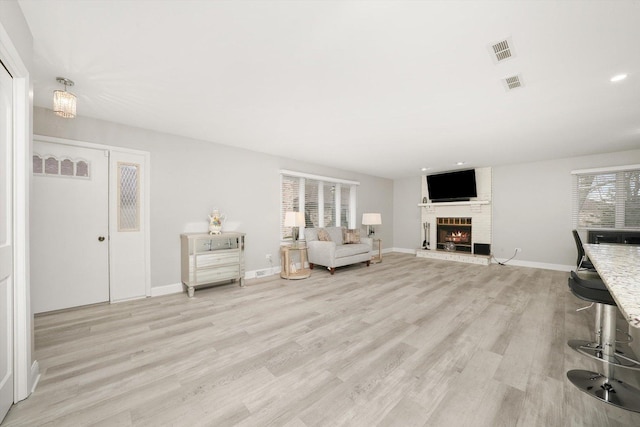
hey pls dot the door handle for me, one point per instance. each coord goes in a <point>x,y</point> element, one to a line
<point>101,239</point>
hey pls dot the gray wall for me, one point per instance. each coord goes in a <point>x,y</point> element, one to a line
<point>531,209</point>
<point>16,26</point>
<point>190,177</point>
<point>406,212</point>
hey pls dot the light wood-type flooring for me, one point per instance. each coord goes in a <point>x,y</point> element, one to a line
<point>408,342</point>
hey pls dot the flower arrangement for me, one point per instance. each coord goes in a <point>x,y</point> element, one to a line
<point>215,222</point>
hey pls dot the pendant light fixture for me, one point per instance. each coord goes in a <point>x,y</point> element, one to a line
<point>64,103</point>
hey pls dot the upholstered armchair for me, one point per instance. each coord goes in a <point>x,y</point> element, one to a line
<point>327,247</point>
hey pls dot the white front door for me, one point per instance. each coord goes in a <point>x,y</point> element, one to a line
<point>69,226</point>
<point>6,242</point>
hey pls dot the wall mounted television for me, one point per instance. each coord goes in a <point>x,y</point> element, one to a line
<point>454,186</point>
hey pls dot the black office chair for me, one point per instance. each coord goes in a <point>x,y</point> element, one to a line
<point>583,262</point>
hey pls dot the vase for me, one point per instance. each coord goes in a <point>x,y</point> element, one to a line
<point>215,222</point>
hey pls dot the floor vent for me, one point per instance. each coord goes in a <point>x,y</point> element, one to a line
<point>502,50</point>
<point>262,273</point>
<point>512,82</point>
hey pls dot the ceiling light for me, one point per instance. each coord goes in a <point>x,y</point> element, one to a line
<point>64,103</point>
<point>459,163</point>
<point>424,169</point>
<point>618,77</point>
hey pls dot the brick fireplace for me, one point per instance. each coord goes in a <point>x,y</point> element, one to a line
<point>464,227</point>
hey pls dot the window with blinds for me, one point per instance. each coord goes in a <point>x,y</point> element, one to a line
<point>607,199</point>
<point>325,201</point>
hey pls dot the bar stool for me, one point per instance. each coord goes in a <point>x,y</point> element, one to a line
<point>591,290</point>
<point>604,387</point>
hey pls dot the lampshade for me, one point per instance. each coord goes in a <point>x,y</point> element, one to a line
<point>293,219</point>
<point>64,103</point>
<point>371,219</point>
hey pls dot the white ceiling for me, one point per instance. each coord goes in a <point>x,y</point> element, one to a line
<point>378,87</point>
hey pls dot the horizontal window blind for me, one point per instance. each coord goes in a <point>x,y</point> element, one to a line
<point>325,201</point>
<point>607,199</point>
<point>290,190</point>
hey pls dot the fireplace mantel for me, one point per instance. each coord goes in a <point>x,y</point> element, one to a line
<point>469,203</point>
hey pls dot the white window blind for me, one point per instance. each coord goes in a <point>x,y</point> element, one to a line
<point>607,199</point>
<point>325,201</point>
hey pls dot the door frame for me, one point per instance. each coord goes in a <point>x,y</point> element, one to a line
<point>146,217</point>
<point>26,371</point>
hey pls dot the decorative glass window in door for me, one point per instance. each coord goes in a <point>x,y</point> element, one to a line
<point>53,167</point>
<point>128,197</point>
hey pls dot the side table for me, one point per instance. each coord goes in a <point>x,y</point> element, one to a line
<point>293,262</point>
<point>377,258</point>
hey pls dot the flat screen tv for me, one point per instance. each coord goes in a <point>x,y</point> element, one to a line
<point>452,186</point>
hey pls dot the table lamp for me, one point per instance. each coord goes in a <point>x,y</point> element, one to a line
<point>371,219</point>
<point>295,220</point>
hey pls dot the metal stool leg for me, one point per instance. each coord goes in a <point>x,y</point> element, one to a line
<point>606,387</point>
<point>593,349</point>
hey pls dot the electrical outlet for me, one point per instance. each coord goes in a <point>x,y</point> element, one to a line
<point>518,250</point>
<point>268,256</point>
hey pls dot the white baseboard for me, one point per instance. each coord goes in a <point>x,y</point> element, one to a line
<point>401,250</point>
<point>263,272</point>
<point>514,262</point>
<point>174,288</point>
<point>541,265</point>
<point>35,376</point>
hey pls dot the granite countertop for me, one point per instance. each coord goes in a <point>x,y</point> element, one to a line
<point>619,268</point>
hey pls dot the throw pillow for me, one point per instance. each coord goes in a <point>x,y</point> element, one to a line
<point>323,236</point>
<point>351,236</point>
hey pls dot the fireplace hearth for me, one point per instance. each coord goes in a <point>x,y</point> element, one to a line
<point>454,234</point>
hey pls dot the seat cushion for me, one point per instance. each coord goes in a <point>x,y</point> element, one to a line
<point>593,290</point>
<point>352,249</point>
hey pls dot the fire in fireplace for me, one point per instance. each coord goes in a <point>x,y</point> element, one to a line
<point>454,234</point>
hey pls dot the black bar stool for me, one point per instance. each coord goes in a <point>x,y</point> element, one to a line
<point>604,387</point>
<point>595,291</point>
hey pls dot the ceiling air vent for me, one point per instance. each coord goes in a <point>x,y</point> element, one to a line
<point>512,82</point>
<point>502,50</point>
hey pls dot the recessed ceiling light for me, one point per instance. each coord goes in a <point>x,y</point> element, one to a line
<point>460,163</point>
<point>618,77</point>
<point>424,169</point>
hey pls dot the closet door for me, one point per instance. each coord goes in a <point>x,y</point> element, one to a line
<point>6,242</point>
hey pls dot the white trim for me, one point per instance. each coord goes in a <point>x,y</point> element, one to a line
<point>539,265</point>
<point>605,170</point>
<point>174,288</point>
<point>35,376</point>
<point>147,189</point>
<point>318,177</point>
<point>337,194</point>
<point>177,288</point>
<point>85,144</point>
<point>22,316</point>
<point>515,263</point>
<point>470,203</point>
<point>400,250</point>
<point>353,199</point>
<point>320,204</point>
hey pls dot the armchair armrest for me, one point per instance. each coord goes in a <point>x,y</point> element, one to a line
<point>367,241</point>
<point>322,253</point>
